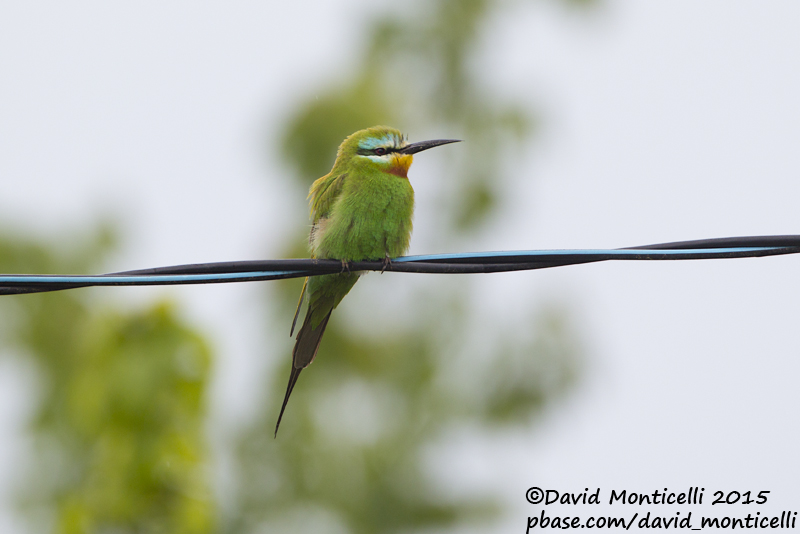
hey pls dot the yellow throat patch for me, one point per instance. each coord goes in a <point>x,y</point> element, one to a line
<point>400,164</point>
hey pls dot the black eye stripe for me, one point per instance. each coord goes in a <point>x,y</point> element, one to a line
<point>379,151</point>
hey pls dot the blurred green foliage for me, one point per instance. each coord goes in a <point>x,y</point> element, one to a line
<point>118,441</point>
<point>351,455</point>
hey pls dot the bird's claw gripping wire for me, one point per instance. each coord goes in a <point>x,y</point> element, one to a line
<point>387,262</point>
<point>345,266</point>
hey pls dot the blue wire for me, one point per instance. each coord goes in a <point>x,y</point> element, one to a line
<point>582,252</point>
<point>112,279</point>
<point>635,254</point>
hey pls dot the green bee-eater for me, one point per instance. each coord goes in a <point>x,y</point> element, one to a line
<point>361,210</point>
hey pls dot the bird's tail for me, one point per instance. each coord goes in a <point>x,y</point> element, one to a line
<point>305,349</point>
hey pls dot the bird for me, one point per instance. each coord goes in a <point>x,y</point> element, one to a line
<point>360,211</point>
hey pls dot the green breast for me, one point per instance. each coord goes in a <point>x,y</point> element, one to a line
<point>370,219</point>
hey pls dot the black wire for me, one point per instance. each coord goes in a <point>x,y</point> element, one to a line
<point>294,268</point>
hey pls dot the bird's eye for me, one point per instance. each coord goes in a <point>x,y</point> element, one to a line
<point>380,151</point>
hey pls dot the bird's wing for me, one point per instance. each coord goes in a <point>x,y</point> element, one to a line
<point>323,195</point>
<point>299,303</point>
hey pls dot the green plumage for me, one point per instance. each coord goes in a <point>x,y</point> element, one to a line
<point>361,210</point>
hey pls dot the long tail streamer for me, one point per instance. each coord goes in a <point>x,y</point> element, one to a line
<point>477,262</point>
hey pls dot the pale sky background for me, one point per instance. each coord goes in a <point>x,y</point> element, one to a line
<point>661,121</point>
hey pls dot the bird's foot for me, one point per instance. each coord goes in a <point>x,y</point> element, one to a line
<point>345,267</point>
<point>387,261</point>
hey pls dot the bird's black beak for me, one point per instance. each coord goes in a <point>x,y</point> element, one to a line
<point>413,148</point>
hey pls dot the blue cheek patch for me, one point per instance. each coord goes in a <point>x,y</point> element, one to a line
<point>374,142</point>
